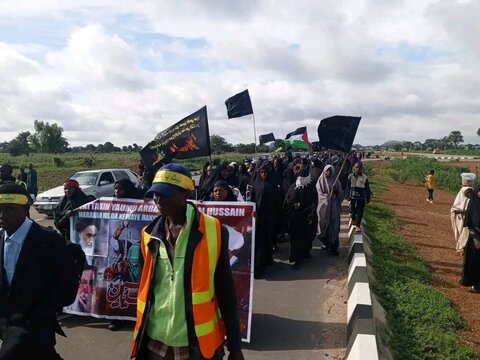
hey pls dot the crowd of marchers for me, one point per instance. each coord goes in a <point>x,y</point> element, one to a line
<point>297,199</point>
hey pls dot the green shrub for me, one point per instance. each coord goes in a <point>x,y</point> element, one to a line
<point>58,162</point>
<point>88,161</point>
<point>417,168</point>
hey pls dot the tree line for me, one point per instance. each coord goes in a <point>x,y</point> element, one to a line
<point>452,141</point>
<point>48,138</point>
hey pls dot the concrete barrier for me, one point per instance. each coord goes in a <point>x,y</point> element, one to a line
<point>361,328</point>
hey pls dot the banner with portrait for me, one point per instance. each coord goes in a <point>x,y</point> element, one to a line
<point>108,231</point>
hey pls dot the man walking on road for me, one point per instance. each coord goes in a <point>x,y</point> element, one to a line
<point>36,280</point>
<point>186,299</point>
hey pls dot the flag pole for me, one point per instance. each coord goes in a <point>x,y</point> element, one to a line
<point>254,134</point>
<point>338,175</point>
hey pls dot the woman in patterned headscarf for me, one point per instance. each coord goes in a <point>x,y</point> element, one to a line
<point>328,209</point>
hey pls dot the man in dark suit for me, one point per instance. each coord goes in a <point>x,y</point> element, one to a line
<point>36,271</point>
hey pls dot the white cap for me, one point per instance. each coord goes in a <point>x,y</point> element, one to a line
<point>468,176</point>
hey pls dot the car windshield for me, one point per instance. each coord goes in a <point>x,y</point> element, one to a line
<point>85,178</point>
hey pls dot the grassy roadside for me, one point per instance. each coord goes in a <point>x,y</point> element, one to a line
<point>421,322</point>
<point>417,168</point>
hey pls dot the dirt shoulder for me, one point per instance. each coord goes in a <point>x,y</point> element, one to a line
<point>428,227</point>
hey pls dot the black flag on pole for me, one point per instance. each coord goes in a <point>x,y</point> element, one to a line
<point>266,138</point>
<point>188,138</point>
<point>338,132</point>
<point>239,105</point>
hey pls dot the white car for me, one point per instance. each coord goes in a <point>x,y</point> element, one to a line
<point>95,183</point>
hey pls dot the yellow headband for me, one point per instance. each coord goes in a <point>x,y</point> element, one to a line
<point>174,178</point>
<point>18,199</point>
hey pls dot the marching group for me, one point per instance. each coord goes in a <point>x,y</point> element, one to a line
<point>296,197</point>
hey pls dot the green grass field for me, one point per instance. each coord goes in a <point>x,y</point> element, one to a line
<point>417,168</point>
<point>54,169</point>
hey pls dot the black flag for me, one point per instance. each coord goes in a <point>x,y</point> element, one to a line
<point>338,132</point>
<point>263,139</point>
<point>239,105</point>
<point>188,138</point>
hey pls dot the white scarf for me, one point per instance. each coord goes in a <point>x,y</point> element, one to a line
<point>460,233</point>
<point>461,200</point>
<point>302,181</point>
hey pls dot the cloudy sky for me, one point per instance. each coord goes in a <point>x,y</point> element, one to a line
<point>120,71</point>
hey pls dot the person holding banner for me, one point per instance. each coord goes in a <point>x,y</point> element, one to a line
<point>74,198</point>
<point>186,300</point>
<point>223,192</point>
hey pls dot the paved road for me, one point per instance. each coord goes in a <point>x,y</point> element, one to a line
<point>446,157</point>
<point>296,314</point>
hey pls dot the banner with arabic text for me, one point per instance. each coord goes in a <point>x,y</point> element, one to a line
<point>188,138</point>
<point>109,229</point>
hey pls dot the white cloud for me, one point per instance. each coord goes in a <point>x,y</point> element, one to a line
<point>123,73</point>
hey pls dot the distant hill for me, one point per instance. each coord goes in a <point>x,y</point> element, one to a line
<point>391,143</point>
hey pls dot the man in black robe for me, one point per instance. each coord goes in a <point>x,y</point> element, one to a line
<point>471,259</point>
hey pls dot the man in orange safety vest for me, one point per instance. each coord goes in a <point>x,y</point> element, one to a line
<point>186,300</point>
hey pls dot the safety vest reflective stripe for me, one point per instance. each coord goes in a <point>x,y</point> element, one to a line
<point>212,243</point>
<point>140,305</point>
<point>201,297</point>
<point>143,288</point>
<point>207,327</point>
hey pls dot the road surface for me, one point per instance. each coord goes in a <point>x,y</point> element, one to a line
<point>296,314</point>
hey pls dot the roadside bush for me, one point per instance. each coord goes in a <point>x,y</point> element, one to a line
<point>89,161</point>
<point>417,168</point>
<point>58,162</point>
